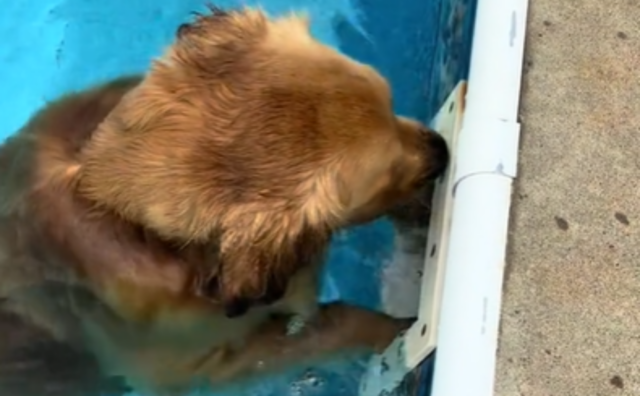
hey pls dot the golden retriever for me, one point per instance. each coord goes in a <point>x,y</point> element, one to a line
<point>168,226</point>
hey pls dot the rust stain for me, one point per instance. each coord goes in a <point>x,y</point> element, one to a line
<point>462,100</point>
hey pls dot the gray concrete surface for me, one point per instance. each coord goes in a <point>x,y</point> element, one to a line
<point>571,313</point>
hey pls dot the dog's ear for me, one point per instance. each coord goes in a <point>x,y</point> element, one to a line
<point>255,267</point>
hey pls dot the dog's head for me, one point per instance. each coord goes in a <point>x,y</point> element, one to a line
<point>252,134</point>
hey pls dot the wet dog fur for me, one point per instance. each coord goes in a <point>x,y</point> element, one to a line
<point>169,225</point>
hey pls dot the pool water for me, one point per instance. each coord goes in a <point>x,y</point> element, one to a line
<point>53,46</point>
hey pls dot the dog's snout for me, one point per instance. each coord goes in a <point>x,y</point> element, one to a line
<point>438,155</point>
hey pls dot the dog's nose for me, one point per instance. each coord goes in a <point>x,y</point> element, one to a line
<point>438,155</point>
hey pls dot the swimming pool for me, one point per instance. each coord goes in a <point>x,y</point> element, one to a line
<point>422,47</point>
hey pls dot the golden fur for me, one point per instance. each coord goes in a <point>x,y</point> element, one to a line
<point>179,212</point>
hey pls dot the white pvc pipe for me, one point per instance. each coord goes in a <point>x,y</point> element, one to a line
<point>496,58</point>
<point>486,161</point>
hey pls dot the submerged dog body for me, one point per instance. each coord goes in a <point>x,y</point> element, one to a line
<point>169,226</point>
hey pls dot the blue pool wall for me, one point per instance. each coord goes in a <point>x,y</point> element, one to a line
<point>51,47</point>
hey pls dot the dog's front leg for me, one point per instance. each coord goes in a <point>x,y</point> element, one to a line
<point>337,331</point>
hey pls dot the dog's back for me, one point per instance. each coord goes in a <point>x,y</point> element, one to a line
<point>41,353</point>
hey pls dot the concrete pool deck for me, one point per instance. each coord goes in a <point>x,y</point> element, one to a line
<point>570,322</point>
